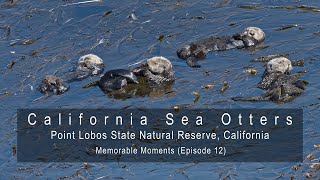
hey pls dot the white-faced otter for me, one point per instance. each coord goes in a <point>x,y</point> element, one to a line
<point>88,65</point>
<point>280,86</point>
<point>156,70</point>
<point>275,67</point>
<point>198,50</point>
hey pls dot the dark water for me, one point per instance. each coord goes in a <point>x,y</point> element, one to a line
<point>65,31</point>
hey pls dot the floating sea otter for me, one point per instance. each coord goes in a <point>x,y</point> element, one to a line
<point>198,50</point>
<point>88,65</point>
<point>155,71</point>
<point>280,86</point>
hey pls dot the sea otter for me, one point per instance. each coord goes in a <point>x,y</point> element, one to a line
<point>280,86</point>
<point>275,68</point>
<point>53,84</point>
<point>88,65</point>
<point>155,71</point>
<point>116,79</point>
<point>198,50</point>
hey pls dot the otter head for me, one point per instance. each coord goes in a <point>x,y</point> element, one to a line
<point>282,65</point>
<point>53,84</point>
<point>159,65</point>
<point>255,33</point>
<point>90,63</point>
<point>157,70</point>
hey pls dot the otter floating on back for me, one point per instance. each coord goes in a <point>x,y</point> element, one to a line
<point>198,50</point>
<point>280,86</point>
<point>155,71</point>
<point>88,65</point>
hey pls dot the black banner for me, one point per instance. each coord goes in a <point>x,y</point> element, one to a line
<point>160,135</point>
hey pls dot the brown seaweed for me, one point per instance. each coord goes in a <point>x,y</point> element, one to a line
<point>24,42</point>
<point>256,7</point>
<point>269,57</point>
<point>302,7</point>
<point>286,27</point>
<point>107,13</point>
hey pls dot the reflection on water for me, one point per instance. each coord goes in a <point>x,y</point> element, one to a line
<point>143,90</point>
<point>47,37</point>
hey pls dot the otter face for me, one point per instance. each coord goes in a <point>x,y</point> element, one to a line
<point>254,32</point>
<point>90,62</point>
<point>159,65</point>
<point>282,65</point>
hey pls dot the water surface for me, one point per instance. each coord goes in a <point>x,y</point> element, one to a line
<point>64,31</point>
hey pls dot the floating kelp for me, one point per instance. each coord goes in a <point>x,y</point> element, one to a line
<point>159,4</point>
<point>269,57</point>
<point>310,156</point>
<point>24,42</point>
<point>251,71</point>
<point>177,107</point>
<point>107,13</point>
<point>207,86</point>
<point>5,94</point>
<point>197,96</point>
<point>11,64</point>
<point>198,17</point>
<point>33,53</point>
<point>161,37</point>
<point>256,7</point>
<point>92,84</point>
<point>304,8</point>
<point>225,86</point>
<point>286,27</point>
